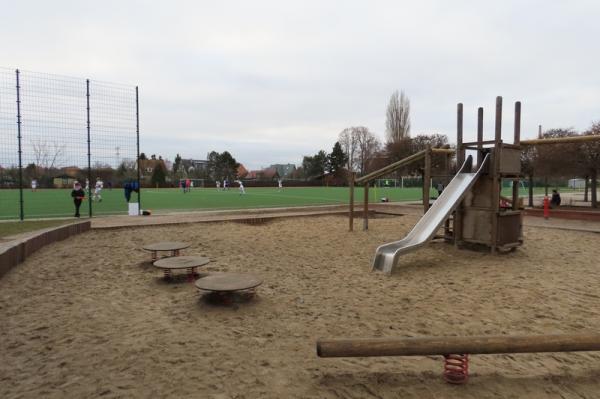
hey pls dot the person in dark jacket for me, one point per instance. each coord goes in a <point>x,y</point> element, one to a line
<point>555,201</point>
<point>78,195</point>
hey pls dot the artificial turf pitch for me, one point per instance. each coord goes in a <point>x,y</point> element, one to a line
<point>46,203</point>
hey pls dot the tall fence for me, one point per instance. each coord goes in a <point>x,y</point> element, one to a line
<point>56,130</point>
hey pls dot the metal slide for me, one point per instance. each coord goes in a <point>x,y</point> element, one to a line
<point>387,255</point>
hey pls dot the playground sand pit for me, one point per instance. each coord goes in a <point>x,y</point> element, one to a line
<point>90,317</point>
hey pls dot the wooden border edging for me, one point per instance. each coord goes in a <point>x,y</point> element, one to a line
<point>15,252</point>
<point>571,214</point>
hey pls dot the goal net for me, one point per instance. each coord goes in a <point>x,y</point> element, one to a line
<point>193,182</point>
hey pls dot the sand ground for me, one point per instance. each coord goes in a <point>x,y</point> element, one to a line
<point>90,317</point>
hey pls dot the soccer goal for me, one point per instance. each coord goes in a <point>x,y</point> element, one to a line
<point>387,183</point>
<point>194,183</point>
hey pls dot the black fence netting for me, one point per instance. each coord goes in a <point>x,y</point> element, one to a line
<point>57,131</point>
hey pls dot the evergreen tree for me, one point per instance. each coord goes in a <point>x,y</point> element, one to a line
<point>337,159</point>
<point>158,177</point>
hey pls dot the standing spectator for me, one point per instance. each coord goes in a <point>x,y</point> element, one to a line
<point>439,188</point>
<point>555,201</point>
<point>78,195</point>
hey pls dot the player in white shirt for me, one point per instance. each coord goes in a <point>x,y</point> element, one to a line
<point>34,185</point>
<point>98,190</point>
<point>280,185</point>
<point>242,190</point>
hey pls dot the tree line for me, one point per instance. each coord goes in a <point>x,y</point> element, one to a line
<point>564,161</point>
<point>359,150</point>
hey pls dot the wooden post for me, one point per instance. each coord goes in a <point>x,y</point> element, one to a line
<point>479,135</point>
<point>495,175</point>
<point>447,158</point>
<point>366,208</point>
<point>426,180</point>
<point>460,158</point>
<point>428,346</point>
<point>351,210</point>
<point>460,152</point>
<point>517,141</point>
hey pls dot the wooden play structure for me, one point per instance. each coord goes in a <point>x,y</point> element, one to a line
<point>456,349</point>
<point>480,218</point>
<point>471,207</point>
<point>365,180</point>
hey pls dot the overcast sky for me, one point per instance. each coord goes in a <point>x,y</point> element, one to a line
<point>271,81</point>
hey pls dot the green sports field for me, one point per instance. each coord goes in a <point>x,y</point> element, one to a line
<point>57,202</point>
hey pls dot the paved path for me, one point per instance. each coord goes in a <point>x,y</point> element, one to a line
<point>112,222</point>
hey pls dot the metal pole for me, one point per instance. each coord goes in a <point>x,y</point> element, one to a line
<point>351,210</point>
<point>89,153</point>
<point>137,133</point>
<point>21,211</point>
<point>366,208</point>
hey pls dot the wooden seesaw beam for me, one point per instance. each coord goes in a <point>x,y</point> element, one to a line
<point>427,346</point>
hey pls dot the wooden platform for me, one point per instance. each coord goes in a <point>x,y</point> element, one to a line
<point>190,263</point>
<point>173,246</point>
<point>228,282</point>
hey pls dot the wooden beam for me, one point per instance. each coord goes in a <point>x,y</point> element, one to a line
<point>561,140</point>
<point>428,346</point>
<point>460,154</point>
<point>517,140</point>
<point>426,179</point>
<point>495,173</point>
<point>443,151</point>
<point>479,135</point>
<point>390,168</point>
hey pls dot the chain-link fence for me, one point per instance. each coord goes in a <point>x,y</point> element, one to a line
<point>56,131</point>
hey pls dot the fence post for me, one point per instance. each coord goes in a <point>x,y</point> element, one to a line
<point>21,211</point>
<point>137,133</point>
<point>89,153</point>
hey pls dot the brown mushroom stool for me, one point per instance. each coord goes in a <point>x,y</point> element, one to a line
<point>173,246</point>
<point>224,284</point>
<point>181,262</point>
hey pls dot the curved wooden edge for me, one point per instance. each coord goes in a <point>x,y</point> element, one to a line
<point>147,248</point>
<point>13,253</point>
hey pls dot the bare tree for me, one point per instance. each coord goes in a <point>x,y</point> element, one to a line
<point>397,122</point>
<point>47,156</point>
<point>348,142</point>
<point>557,161</point>
<point>589,159</point>
<point>367,145</point>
